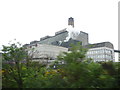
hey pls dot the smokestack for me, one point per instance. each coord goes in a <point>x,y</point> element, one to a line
<point>71,21</point>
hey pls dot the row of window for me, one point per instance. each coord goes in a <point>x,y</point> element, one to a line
<point>99,51</point>
<point>100,56</point>
<point>101,60</point>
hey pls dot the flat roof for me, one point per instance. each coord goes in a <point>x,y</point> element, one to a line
<point>102,44</point>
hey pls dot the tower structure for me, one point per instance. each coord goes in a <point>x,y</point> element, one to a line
<point>71,21</point>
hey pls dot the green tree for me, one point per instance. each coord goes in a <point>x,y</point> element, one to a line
<point>80,72</point>
<point>13,56</point>
<point>19,70</point>
<point>73,70</point>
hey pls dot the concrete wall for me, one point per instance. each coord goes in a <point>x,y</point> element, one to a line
<point>83,37</point>
<point>43,51</point>
<point>58,37</point>
<point>49,53</point>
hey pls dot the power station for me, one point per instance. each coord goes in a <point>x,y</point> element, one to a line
<point>49,47</point>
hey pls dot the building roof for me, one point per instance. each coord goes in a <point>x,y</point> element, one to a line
<point>60,32</point>
<point>102,44</point>
<point>46,37</point>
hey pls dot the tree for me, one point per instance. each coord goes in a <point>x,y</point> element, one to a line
<point>19,70</point>
<point>13,56</point>
<point>73,70</point>
<point>80,72</point>
<point>75,67</point>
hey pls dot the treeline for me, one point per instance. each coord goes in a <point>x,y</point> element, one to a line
<point>76,71</point>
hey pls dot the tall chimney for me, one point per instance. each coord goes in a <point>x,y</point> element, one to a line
<point>71,21</point>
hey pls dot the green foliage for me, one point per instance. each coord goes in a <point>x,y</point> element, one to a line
<point>76,72</point>
<point>84,73</point>
<point>76,54</point>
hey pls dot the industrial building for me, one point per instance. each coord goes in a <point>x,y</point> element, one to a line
<point>101,52</point>
<point>45,53</point>
<point>49,47</point>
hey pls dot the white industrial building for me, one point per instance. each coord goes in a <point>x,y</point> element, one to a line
<point>48,53</point>
<point>49,47</point>
<point>101,54</point>
<point>45,53</point>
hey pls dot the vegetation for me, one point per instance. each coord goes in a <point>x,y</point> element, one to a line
<point>76,72</point>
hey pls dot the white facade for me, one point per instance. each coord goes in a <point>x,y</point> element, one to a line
<point>49,53</point>
<point>101,54</point>
<point>45,52</point>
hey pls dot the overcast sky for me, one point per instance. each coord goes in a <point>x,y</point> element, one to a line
<point>28,20</point>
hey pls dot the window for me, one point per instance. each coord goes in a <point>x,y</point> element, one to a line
<point>102,51</point>
<point>98,51</point>
<point>98,56</point>
<point>111,52</point>
<point>108,51</point>
<point>106,56</point>
<point>95,56</point>
<point>103,56</point>
<point>94,52</point>
<point>91,52</point>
